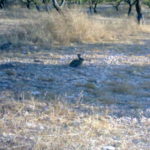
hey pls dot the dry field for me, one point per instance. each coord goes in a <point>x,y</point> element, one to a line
<point>46,105</point>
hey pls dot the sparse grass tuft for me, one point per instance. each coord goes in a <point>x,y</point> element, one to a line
<point>121,87</point>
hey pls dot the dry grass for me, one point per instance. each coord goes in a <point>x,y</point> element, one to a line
<point>57,125</point>
<point>145,28</point>
<point>79,27</point>
<point>72,27</point>
<point>48,125</point>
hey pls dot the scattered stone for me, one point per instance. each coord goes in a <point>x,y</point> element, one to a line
<point>108,148</point>
<point>35,93</point>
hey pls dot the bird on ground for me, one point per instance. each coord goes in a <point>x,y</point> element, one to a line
<point>77,62</point>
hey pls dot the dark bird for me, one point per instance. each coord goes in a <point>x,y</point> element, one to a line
<point>76,62</point>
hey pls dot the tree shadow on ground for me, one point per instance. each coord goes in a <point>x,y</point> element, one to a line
<point>98,84</point>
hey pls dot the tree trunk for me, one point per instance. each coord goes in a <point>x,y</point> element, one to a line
<point>139,11</point>
<point>95,6</point>
<point>28,4</point>
<point>117,5</point>
<point>130,9</point>
<point>57,6</point>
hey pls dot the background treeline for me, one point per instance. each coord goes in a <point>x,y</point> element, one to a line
<point>92,4</point>
<point>37,3</point>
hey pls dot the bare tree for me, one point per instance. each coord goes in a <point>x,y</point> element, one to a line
<point>28,4</point>
<point>131,3</point>
<point>58,6</point>
<point>93,5</point>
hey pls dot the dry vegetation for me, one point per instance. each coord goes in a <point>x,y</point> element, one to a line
<point>57,125</point>
<point>108,108</point>
<point>74,27</point>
